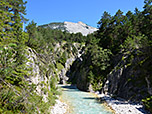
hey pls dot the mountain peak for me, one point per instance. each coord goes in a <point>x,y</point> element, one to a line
<point>72,27</point>
<point>81,23</point>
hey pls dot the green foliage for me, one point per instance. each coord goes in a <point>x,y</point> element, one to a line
<point>99,63</point>
<point>12,17</point>
<point>52,25</point>
<point>94,64</point>
<point>130,37</point>
<point>17,95</point>
<point>63,58</point>
<point>148,103</point>
<point>59,66</point>
<point>13,87</point>
<point>32,31</point>
<point>5,18</point>
<point>136,42</point>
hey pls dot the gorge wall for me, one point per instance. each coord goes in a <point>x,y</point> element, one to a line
<point>50,68</point>
<point>126,79</point>
<point>93,68</point>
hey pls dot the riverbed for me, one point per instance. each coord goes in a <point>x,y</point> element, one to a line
<point>80,102</point>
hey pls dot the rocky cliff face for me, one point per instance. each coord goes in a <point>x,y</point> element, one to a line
<point>78,74</point>
<point>42,73</point>
<point>76,51</point>
<point>48,66</point>
<point>70,27</point>
<point>127,80</point>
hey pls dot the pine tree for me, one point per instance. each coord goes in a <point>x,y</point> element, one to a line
<point>147,13</point>
<point>13,68</point>
<point>12,18</point>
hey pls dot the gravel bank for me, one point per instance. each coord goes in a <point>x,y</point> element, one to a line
<point>59,108</point>
<point>121,106</point>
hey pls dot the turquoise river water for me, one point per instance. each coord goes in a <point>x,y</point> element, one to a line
<point>82,102</point>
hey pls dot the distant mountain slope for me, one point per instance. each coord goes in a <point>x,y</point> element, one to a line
<point>72,27</point>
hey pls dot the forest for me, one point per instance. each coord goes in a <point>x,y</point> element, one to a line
<point>122,41</point>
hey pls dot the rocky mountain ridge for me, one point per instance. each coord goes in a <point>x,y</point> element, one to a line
<point>71,27</point>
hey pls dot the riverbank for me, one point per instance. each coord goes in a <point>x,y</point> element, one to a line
<point>120,106</point>
<point>60,107</point>
<point>79,102</point>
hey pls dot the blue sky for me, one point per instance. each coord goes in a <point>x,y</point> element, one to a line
<point>87,11</point>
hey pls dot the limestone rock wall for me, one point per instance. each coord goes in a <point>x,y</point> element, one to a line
<point>41,73</point>
<point>127,80</point>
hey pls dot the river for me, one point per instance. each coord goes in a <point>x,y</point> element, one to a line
<point>82,102</point>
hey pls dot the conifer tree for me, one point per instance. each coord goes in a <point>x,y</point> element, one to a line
<point>12,18</point>
<point>147,13</point>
